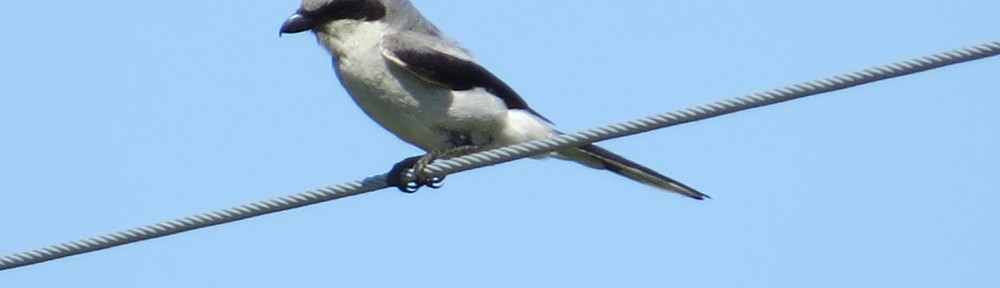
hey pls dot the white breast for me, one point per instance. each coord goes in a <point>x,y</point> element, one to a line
<point>418,112</point>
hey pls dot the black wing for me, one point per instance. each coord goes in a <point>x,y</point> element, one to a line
<point>420,57</point>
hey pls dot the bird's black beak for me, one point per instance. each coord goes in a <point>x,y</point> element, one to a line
<point>297,23</point>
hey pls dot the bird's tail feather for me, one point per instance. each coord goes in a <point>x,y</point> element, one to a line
<point>600,158</point>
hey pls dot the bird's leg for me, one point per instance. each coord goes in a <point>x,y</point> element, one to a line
<point>395,177</point>
<point>420,177</point>
<point>422,163</point>
<point>419,164</point>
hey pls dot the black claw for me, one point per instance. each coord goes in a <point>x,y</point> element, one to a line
<point>418,163</point>
<point>409,187</point>
<point>395,177</point>
<point>435,182</point>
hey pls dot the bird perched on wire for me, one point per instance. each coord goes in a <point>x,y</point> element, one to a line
<point>428,90</point>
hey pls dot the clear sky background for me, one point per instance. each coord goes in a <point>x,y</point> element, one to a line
<point>116,114</point>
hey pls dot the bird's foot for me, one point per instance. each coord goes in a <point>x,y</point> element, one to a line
<point>420,178</point>
<point>419,164</point>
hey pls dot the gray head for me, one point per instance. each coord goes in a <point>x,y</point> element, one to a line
<point>315,14</point>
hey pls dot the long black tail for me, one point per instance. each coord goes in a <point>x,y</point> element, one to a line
<point>600,158</point>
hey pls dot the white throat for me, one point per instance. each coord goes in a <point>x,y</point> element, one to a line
<point>345,37</point>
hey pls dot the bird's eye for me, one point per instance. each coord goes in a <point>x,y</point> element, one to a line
<point>332,10</point>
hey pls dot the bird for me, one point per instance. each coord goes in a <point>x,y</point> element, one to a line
<point>429,91</point>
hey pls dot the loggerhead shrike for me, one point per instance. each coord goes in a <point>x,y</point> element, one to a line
<point>426,89</point>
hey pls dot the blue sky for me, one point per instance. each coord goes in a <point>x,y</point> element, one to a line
<point>115,114</point>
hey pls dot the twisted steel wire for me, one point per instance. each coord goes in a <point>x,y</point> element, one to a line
<point>505,154</point>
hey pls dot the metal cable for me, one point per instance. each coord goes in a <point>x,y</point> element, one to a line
<point>505,154</point>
